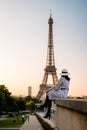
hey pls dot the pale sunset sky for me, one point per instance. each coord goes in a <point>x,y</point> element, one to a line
<point>24,40</point>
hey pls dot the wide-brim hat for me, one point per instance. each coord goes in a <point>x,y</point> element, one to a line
<point>64,72</point>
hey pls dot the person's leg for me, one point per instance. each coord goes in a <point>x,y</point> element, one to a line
<point>45,103</point>
<point>55,94</point>
<point>48,114</point>
<point>49,104</point>
<point>47,100</point>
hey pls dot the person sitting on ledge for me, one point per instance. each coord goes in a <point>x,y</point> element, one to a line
<point>59,90</point>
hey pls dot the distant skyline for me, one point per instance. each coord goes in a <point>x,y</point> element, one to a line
<point>24,40</point>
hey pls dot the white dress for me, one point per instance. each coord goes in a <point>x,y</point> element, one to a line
<point>55,92</point>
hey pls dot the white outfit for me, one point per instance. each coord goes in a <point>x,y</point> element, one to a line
<point>59,90</point>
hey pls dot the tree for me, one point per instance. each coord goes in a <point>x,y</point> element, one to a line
<point>30,105</point>
<point>21,104</point>
<point>27,99</point>
<point>4,96</point>
<point>9,103</point>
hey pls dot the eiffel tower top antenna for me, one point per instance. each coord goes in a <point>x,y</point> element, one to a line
<point>50,13</point>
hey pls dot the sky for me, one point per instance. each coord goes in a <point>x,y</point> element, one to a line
<point>24,40</point>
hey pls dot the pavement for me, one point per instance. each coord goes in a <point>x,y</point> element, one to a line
<point>32,124</point>
<point>3,118</point>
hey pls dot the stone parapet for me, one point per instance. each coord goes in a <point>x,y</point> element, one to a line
<point>79,105</point>
<point>71,114</point>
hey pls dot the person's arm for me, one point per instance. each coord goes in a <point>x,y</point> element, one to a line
<point>57,85</point>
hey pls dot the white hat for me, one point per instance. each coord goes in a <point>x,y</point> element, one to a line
<point>64,72</point>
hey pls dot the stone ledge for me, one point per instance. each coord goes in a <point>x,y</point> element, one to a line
<point>79,105</point>
<point>50,122</point>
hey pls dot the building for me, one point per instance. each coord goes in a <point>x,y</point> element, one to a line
<point>29,91</point>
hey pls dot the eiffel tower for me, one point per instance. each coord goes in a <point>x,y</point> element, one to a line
<point>50,63</point>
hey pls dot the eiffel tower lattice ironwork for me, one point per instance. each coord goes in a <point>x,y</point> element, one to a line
<point>50,62</point>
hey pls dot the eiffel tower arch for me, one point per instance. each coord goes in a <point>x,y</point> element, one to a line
<point>50,68</point>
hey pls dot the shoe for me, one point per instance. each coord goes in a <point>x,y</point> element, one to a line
<point>49,117</point>
<point>46,117</point>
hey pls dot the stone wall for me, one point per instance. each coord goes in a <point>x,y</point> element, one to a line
<point>71,114</point>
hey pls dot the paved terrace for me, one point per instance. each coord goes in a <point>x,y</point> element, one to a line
<point>33,124</point>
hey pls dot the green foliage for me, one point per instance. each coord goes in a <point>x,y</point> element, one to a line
<point>30,105</point>
<point>9,103</point>
<point>21,104</point>
<point>11,122</point>
<point>28,98</point>
<point>4,97</point>
<point>44,124</point>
